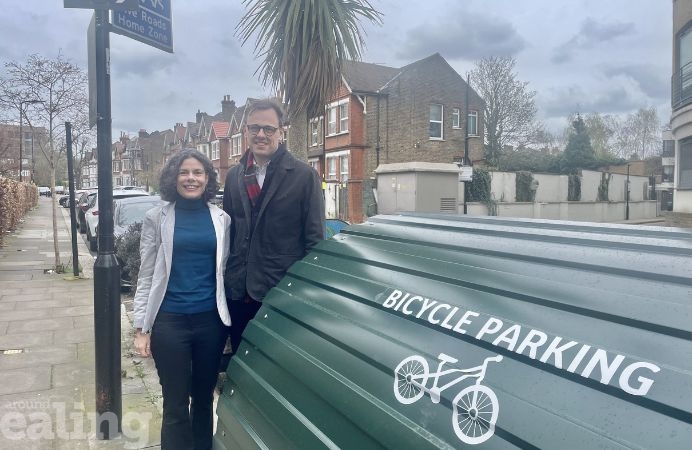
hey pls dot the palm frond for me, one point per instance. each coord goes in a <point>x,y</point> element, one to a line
<point>303,45</point>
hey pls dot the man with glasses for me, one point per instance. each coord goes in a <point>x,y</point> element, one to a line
<point>277,214</point>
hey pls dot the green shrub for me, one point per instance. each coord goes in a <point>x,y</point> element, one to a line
<point>523,186</point>
<point>478,190</point>
<point>479,187</point>
<point>603,187</point>
<point>573,187</point>
<point>127,251</point>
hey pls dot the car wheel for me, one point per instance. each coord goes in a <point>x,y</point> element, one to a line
<point>92,241</point>
<point>82,227</point>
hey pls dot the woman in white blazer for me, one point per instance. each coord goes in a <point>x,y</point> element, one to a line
<point>180,305</point>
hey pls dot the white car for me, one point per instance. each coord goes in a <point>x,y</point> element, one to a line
<point>92,214</point>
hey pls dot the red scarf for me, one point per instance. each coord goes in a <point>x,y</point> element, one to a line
<point>253,188</point>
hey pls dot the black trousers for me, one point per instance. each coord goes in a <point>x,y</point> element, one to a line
<point>242,312</point>
<point>186,350</point>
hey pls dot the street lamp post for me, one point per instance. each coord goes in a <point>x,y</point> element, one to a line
<point>21,132</point>
<point>33,162</point>
<point>627,194</point>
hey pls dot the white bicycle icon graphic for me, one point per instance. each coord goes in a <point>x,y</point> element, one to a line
<point>475,407</point>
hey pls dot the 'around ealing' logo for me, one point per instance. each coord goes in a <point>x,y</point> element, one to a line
<point>41,424</point>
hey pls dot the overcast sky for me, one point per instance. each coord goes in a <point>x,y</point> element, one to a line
<point>611,57</point>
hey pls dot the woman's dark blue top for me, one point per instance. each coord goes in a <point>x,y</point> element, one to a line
<point>192,283</point>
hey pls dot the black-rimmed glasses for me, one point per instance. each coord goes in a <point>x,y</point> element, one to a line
<point>268,130</point>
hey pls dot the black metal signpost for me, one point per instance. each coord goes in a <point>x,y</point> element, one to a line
<point>73,219</point>
<point>106,269</point>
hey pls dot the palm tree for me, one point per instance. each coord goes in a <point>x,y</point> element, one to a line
<point>303,44</point>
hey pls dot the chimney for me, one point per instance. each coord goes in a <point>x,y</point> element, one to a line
<point>227,107</point>
<point>198,117</point>
<point>143,133</point>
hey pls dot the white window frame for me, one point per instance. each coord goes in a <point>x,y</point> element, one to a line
<point>343,118</point>
<point>439,121</point>
<point>215,150</point>
<point>331,120</point>
<point>237,144</point>
<point>331,167</point>
<point>314,132</point>
<point>343,168</point>
<point>456,118</point>
<point>472,123</point>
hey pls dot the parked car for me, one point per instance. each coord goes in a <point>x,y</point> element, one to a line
<point>129,188</point>
<point>91,214</point>
<point>44,190</point>
<point>83,203</point>
<point>127,212</point>
<point>218,199</point>
<point>64,200</point>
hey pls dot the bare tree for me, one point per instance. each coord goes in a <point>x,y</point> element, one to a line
<point>83,138</point>
<point>60,89</point>
<point>6,156</point>
<point>510,110</point>
<point>639,137</point>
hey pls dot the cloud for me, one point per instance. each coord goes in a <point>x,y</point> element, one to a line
<point>591,34</point>
<point>576,98</point>
<point>649,78</point>
<point>462,35</point>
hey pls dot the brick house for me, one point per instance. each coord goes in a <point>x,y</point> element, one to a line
<point>383,115</point>
<point>219,147</point>
<point>136,159</point>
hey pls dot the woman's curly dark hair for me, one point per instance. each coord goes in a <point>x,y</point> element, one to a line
<point>168,182</point>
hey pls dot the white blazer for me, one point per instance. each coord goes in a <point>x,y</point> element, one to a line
<point>156,251</point>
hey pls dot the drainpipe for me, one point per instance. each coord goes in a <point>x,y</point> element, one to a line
<point>377,131</point>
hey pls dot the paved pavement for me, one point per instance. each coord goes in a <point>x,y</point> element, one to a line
<point>47,381</point>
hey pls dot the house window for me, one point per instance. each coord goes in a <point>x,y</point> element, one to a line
<point>435,122</point>
<point>343,168</point>
<point>331,122</point>
<point>472,123</point>
<point>237,146</point>
<point>343,118</point>
<point>116,166</point>
<point>331,168</point>
<point>215,150</point>
<point>685,62</point>
<point>337,117</point>
<point>314,132</point>
<point>456,118</point>
<point>685,167</point>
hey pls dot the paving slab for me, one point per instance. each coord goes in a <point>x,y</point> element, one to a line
<point>31,358</point>
<point>25,326</point>
<point>18,381</point>
<point>26,340</point>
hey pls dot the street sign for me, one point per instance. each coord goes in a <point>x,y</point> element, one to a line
<point>150,23</point>
<point>102,4</point>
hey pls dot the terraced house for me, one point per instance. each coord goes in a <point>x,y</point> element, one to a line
<point>383,115</point>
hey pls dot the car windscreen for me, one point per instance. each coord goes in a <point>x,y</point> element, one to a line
<point>134,212</point>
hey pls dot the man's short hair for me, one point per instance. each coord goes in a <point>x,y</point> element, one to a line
<point>264,104</point>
